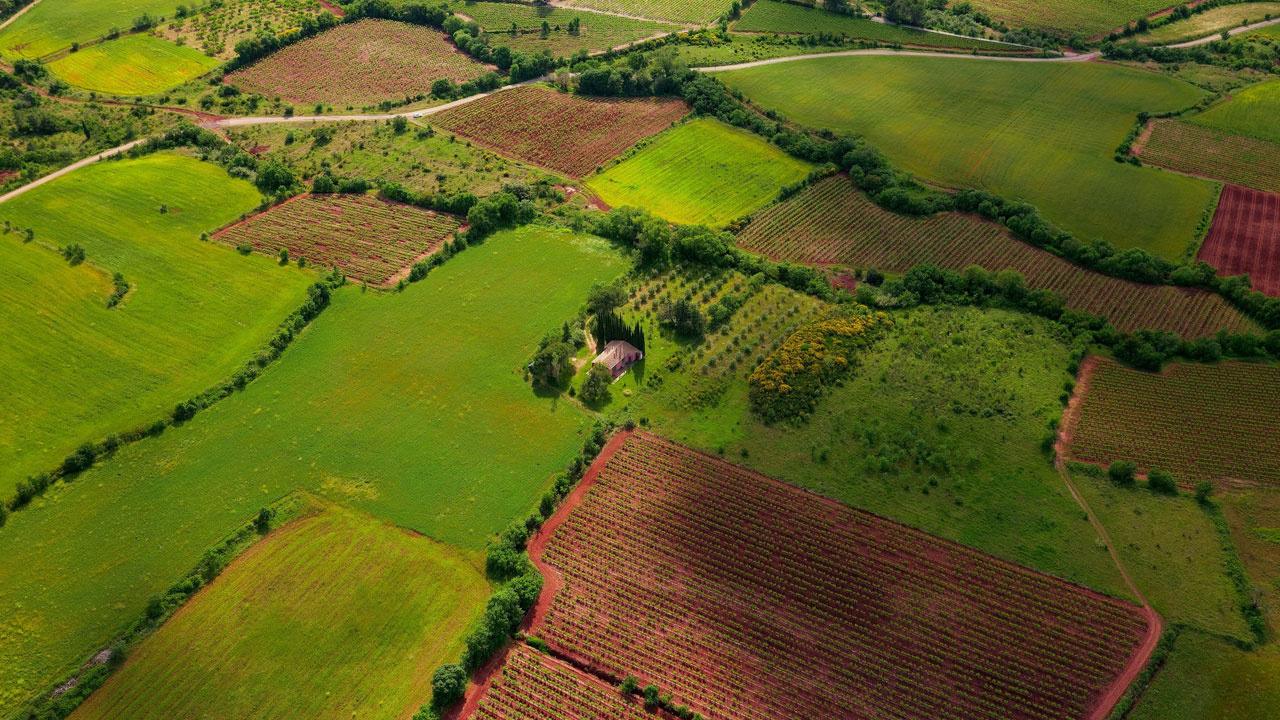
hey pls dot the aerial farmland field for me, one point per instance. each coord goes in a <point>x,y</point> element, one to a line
<point>701,172</point>
<point>1028,130</point>
<point>634,359</point>
<point>833,223</point>
<point>398,60</point>
<point>89,370</point>
<point>261,640</point>
<point>569,134</point>
<point>1187,428</point>
<point>133,65</point>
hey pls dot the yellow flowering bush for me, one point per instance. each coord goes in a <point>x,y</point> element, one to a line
<point>788,383</point>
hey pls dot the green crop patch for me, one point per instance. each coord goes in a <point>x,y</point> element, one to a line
<point>694,12</point>
<point>1086,17</point>
<point>1206,677</point>
<point>771,16</point>
<point>702,172</point>
<point>52,26</point>
<point>519,27</point>
<point>334,615</point>
<point>1043,133</point>
<point>1253,111</point>
<point>74,370</point>
<point>133,65</point>
<point>1214,153</point>
<point>411,406</point>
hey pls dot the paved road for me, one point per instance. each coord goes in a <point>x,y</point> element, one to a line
<point>1232,31</point>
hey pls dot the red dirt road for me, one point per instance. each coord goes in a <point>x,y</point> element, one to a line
<point>1245,237</point>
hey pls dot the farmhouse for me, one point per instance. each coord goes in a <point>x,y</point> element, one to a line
<point>619,355</point>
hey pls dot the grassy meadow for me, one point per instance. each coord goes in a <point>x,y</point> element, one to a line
<point>52,26</point>
<point>780,17</point>
<point>411,406</point>
<point>1043,133</point>
<point>701,172</point>
<point>1207,23</point>
<point>697,12</point>
<point>1172,551</point>
<point>1253,111</point>
<point>1086,17</point>
<point>132,65</point>
<point>74,370</point>
<point>597,31</point>
<point>335,615</point>
<point>1207,678</point>
<point>941,436</point>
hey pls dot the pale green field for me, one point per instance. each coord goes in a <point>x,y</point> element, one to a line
<point>1209,22</point>
<point>1040,132</point>
<point>336,615</point>
<point>411,406</point>
<point>132,65</point>
<point>1253,111</point>
<point>73,370</point>
<point>53,25</point>
<point>1208,679</point>
<point>701,172</point>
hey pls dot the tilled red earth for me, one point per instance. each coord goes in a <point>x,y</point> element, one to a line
<point>1245,237</point>
<point>747,598</point>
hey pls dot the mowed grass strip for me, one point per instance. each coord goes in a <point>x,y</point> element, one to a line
<point>701,172</point>
<point>1040,132</point>
<point>1199,422</point>
<point>831,222</point>
<point>360,63</point>
<point>411,406</point>
<point>1214,153</point>
<point>770,16</point>
<point>51,26</point>
<point>132,65</point>
<point>72,370</point>
<point>336,615</point>
<point>569,134</point>
<point>596,31</point>
<point>1086,17</point>
<point>368,238</point>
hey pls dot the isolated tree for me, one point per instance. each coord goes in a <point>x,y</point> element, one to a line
<point>399,124</point>
<point>284,256</point>
<point>1122,473</point>
<point>1162,482</point>
<point>629,685</point>
<point>595,388</point>
<point>1203,490</point>
<point>551,360</point>
<point>448,683</point>
<point>262,523</point>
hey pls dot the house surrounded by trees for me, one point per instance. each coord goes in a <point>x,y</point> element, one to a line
<point>619,355</point>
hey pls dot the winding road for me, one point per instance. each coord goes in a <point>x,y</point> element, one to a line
<point>1232,31</point>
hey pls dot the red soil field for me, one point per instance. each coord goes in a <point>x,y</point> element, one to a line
<point>368,238</point>
<point>832,222</point>
<point>360,63</point>
<point>750,599</point>
<point>1245,237</point>
<point>569,134</point>
<point>532,686</point>
<point>1198,422</point>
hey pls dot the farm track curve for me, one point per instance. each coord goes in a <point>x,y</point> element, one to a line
<point>1233,31</point>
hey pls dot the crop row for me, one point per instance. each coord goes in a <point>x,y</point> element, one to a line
<point>833,223</point>
<point>566,133</point>
<point>1245,237</point>
<point>359,63</point>
<point>1199,422</point>
<point>367,238</point>
<point>1227,156</point>
<point>750,599</point>
<point>532,686</point>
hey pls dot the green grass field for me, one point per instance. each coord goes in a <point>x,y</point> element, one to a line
<point>779,17</point>
<point>132,65</point>
<point>1043,133</point>
<point>1252,111</point>
<point>597,32</point>
<point>696,12</point>
<point>1209,22</point>
<point>74,370</point>
<point>1208,679</point>
<point>941,436</point>
<point>52,26</point>
<point>411,406</point>
<point>1172,552</point>
<point>701,172</point>
<point>1088,18</point>
<point>1253,515</point>
<point>335,615</point>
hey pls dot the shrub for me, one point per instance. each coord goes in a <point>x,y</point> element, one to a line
<point>448,684</point>
<point>1203,490</point>
<point>1122,473</point>
<point>1162,482</point>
